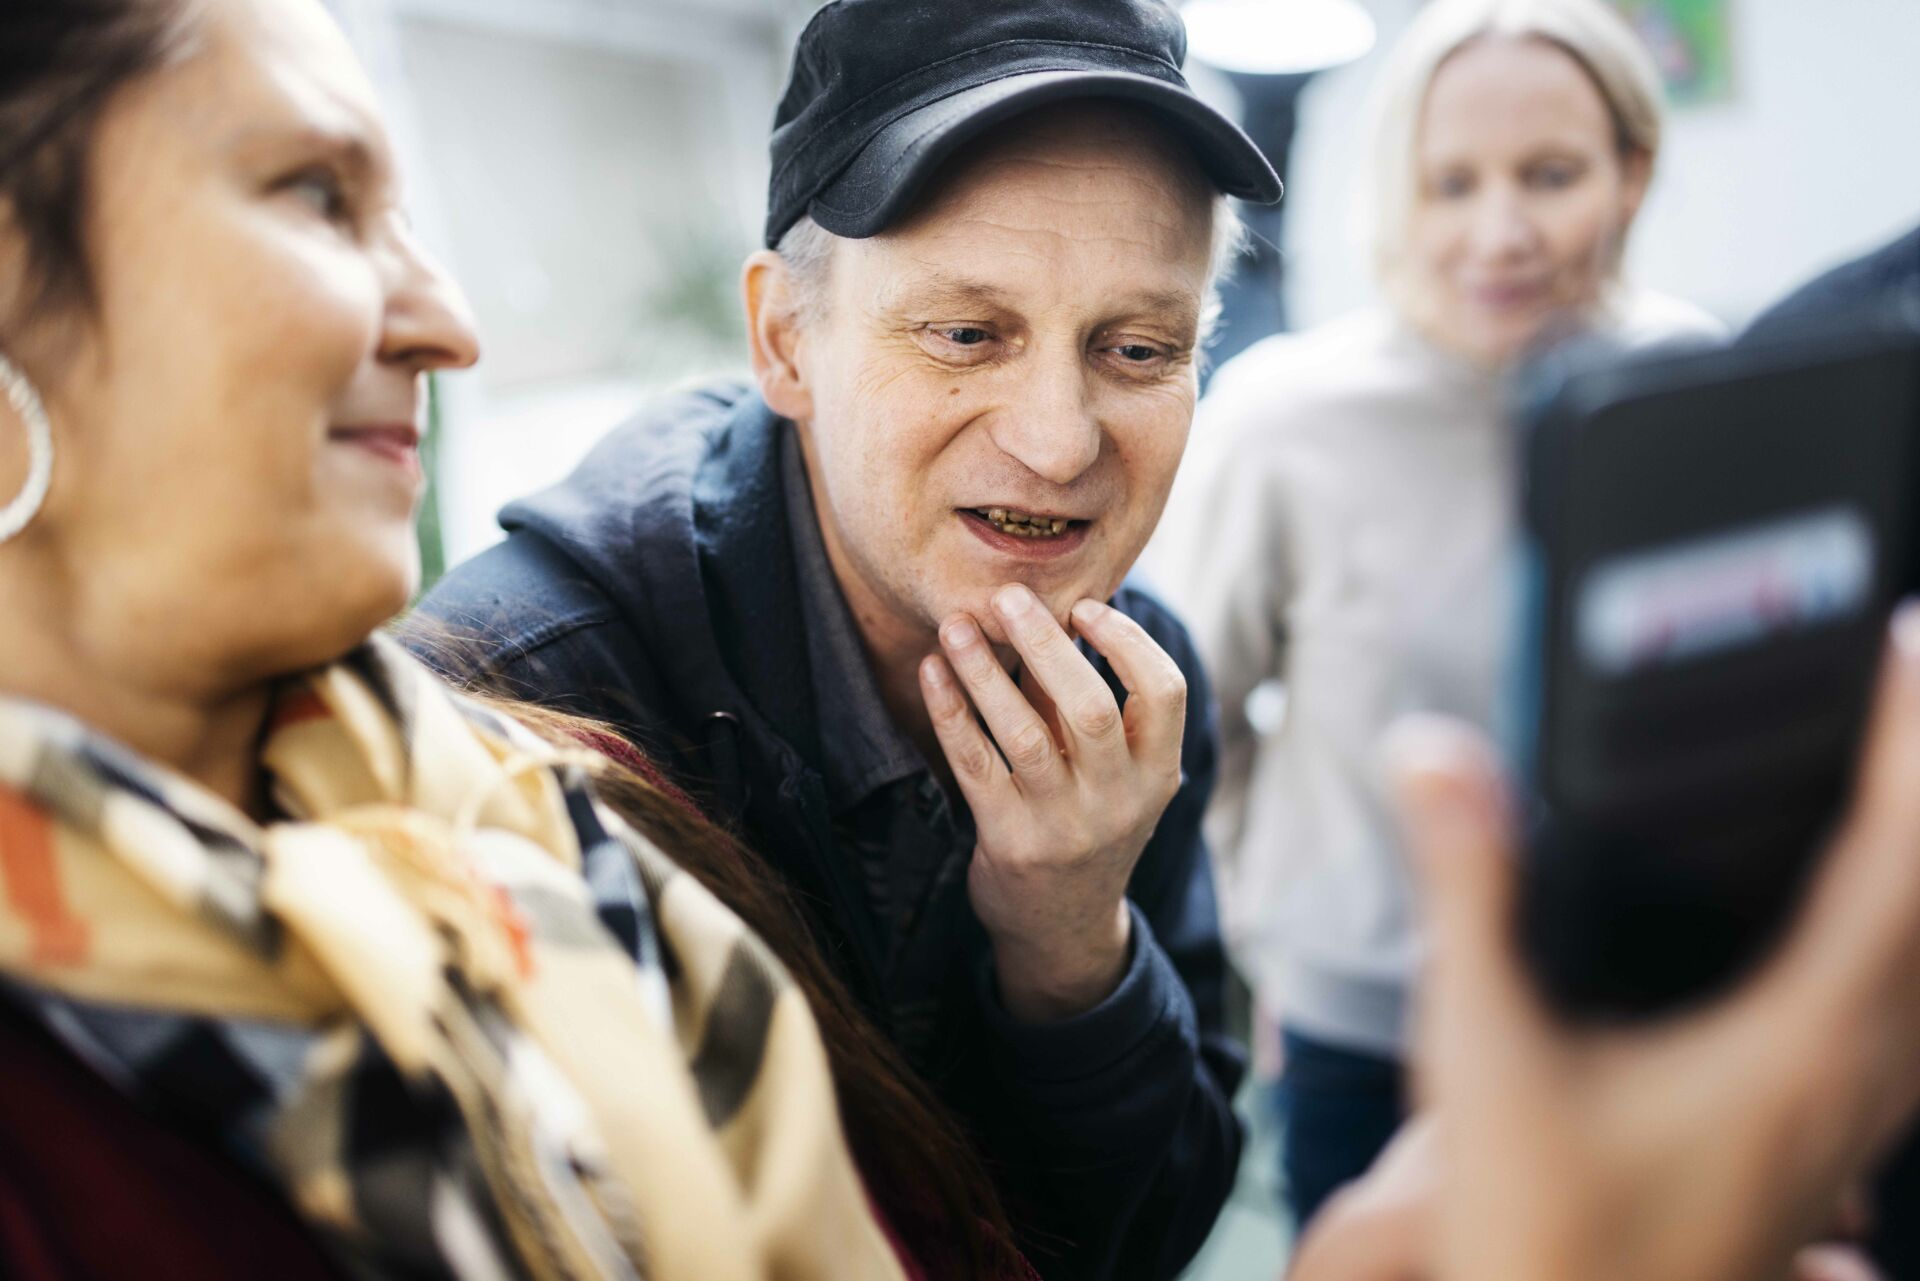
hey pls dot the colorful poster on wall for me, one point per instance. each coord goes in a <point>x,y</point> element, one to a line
<point>1692,40</point>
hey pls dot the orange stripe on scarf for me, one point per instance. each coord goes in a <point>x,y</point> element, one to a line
<point>298,708</point>
<point>33,884</point>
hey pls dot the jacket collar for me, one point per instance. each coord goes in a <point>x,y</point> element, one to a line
<point>867,749</point>
<point>747,563</point>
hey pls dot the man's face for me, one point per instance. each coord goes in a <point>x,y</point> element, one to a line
<point>1002,386</point>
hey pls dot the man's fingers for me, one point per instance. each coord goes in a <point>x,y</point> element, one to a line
<point>1036,693</point>
<point>1089,716</point>
<point>1453,810</point>
<point>1022,735</point>
<point>1887,798</point>
<point>1865,909</point>
<point>1852,966</point>
<point>977,768</point>
<point>1156,711</point>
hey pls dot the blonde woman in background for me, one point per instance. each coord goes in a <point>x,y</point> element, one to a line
<point>1342,522</point>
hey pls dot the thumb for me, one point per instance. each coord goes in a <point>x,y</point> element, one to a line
<point>1852,965</point>
<point>1458,831</point>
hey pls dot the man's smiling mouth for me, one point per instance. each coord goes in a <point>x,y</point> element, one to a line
<point>1021,524</point>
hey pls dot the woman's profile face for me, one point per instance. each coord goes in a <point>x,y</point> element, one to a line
<point>237,424</point>
<point>1523,198</point>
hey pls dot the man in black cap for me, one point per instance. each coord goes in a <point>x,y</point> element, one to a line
<point>871,610</point>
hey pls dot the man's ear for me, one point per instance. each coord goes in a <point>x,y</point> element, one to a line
<point>774,335</point>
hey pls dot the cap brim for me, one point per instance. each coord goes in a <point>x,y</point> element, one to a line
<point>881,182</point>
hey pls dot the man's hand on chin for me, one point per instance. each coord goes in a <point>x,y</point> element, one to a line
<point>1066,787</point>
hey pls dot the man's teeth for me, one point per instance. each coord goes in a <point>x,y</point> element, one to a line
<point>1021,525</point>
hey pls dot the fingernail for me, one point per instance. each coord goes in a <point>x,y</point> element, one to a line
<point>1906,629</point>
<point>933,671</point>
<point>1088,612</point>
<point>958,633</point>
<point>1435,797</point>
<point>1013,601</point>
<point>1425,756</point>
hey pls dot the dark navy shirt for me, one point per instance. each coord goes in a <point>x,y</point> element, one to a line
<point>890,813</point>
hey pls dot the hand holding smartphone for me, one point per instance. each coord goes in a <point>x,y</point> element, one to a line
<point>1712,543</point>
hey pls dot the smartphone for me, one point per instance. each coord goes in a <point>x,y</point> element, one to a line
<point>1712,543</point>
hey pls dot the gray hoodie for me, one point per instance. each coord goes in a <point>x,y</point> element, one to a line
<point>1338,542</point>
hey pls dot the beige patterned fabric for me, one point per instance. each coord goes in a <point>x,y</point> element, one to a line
<point>523,1042</point>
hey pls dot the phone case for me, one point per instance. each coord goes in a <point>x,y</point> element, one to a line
<point>1712,544</point>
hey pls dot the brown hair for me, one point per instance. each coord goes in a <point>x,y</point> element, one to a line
<point>61,61</point>
<point>918,1164</point>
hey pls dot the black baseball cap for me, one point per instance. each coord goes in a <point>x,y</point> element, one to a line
<point>883,91</point>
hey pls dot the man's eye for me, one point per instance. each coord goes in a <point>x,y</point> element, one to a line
<point>1138,353</point>
<point>965,336</point>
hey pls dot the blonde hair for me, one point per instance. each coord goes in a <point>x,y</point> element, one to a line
<point>1591,32</point>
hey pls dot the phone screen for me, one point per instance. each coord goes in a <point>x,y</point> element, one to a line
<point>1724,592</point>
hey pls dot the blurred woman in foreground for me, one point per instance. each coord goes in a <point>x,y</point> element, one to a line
<point>1342,526</point>
<point>309,963</point>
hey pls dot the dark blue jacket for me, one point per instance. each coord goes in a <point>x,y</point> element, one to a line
<point>1881,287</point>
<point>655,590</point>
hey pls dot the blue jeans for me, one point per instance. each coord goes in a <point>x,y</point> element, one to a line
<point>1338,1108</point>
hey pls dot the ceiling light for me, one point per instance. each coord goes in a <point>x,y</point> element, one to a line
<point>1277,37</point>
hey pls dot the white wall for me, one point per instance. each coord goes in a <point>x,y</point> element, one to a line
<point>568,173</point>
<point>1815,158</point>
<point>586,163</point>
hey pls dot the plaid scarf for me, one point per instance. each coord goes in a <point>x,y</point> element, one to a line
<point>464,1017</point>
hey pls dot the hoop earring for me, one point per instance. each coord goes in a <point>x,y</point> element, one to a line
<point>19,513</point>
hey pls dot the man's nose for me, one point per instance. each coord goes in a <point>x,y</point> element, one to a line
<point>1050,427</point>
